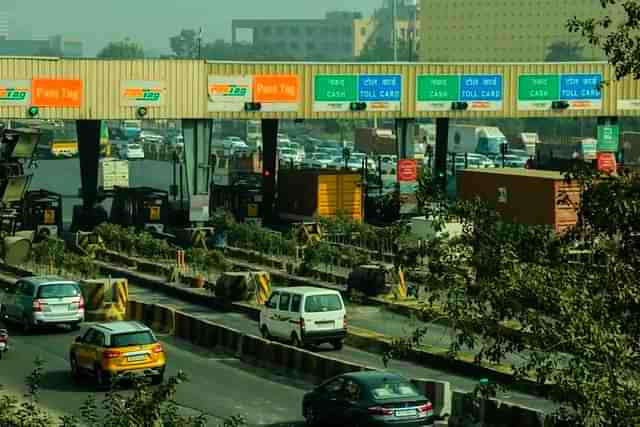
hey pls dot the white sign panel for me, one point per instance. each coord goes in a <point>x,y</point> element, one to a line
<point>199,209</point>
<point>142,93</point>
<point>229,93</point>
<point>15,92</point>
<point>629,104</point>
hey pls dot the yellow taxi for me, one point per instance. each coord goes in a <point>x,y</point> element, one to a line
<point>115,350</point>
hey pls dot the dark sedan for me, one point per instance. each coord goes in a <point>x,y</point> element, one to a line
<point>367,399</point>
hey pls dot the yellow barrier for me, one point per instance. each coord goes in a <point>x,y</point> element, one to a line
<point>100,293</point>
<point>263,287</point>
<point>400,288</point>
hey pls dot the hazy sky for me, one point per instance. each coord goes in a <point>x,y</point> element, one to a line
<point>151,22</point>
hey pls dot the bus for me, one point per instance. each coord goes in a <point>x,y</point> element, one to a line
<point>57,140</point>
<point>105,144</point>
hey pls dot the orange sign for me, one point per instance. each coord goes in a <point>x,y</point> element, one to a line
<point>57,93</point>
<point>607,162</point>
<point>276,88</point>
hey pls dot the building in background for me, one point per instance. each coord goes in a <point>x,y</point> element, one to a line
<point>501,31</point>
<point>42,46</point>
<point>340,36</point>
<point>4,25</point>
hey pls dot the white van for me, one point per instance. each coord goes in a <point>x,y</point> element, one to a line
<point>305,316</point>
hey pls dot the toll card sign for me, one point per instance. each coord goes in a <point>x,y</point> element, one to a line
<point>142,93</point>
<point>380,92</point>
<point>229,93</point>
<point>437,92</point>
<point>15,92</point>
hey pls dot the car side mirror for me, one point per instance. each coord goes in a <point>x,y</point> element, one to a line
<point>79,339</point>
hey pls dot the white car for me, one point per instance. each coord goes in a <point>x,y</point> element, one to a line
<point>233,141</point>
<point>288,156</point>
<point>132,151</point>
<point>305,316</point>
<point>319,160</point>
<point>146,136</point>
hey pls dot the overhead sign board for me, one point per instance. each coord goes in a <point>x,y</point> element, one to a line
<point>142,93</point>
<point>277,93</point>
<point>15,92</point>
<point>334,92</point>
<point>436,92</point>
<point>57,93</point>
<point>229,93</point>
<point>380,92</point>
<point>537,92</point>
<point>608,139</point>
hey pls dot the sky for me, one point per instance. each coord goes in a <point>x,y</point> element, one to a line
<point>152,22</point>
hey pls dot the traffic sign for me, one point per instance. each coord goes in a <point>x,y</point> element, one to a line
<point>380,92</point>
<point>229,93</point>
<point>538,91</point>
<point>607,162</point>
<point>142,93</point>
<point>608,139</point>
<point>479,92</point>
<point>334,92</point>
<point>436,92</point>
<point>15,92</point>
<point>407,170</point>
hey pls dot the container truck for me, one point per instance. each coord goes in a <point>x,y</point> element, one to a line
<point>484,140</point>
<point>375,142</point>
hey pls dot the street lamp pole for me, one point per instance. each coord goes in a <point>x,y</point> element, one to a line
<point>394,39</point>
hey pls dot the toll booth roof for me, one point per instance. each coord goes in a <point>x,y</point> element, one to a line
<point>533,173</point>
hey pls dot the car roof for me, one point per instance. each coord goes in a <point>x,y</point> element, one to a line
<point>120,327</point>
<point>373,377</point>
<point>43,280</point>
<point>309,290</point>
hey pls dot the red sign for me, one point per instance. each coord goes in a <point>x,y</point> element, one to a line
<point>57,93</point>
<point>607,162</point>
<point>407,170</point>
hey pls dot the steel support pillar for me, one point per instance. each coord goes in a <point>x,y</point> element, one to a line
<point>88,215</point>
<point>442,142</point>
<point>197,154</point>
<point>405,130</point>
<point>269,168</point>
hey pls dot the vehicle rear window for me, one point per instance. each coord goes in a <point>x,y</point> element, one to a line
<point>59,290</point>
<point>322,303</point>
<point>393,390</point>
<point>132,339</point>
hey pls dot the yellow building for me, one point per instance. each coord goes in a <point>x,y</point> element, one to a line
<point>500,30</point>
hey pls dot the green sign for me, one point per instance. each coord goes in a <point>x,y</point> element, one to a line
<point>438,88</point>
<point>608,139</point>
<point>336,88</point>
<point>541,87</point>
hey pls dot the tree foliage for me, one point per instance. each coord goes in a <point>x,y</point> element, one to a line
<point>576,297</point>
<point>616,33</point>
<point>381,50</point>
<point>185,44</point>
<point>125,49</point>
<point>565,52</point>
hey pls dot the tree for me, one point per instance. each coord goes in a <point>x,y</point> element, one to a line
<point>381,50</point>
<point>125,49</point>
<point>564,52</point>
<point>185,44</point>
<point>616,33</point>
<point>579,317</point>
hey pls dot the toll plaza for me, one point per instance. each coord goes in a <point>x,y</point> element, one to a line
<point>195,92</point>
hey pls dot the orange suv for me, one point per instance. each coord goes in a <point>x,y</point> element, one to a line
<point>112,351</point>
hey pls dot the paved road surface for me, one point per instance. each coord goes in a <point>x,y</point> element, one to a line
<point>245,324</point>
<point>219,386</point>
<point>63,176</point>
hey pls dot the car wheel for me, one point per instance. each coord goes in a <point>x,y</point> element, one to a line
<point>265,332</point>
<point>102,379</point>
<point>337,344</point>
<point>310,416</point>
<point>295,341</point>
<point>75,372</point>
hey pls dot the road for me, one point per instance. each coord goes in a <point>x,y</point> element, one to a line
<point>63,177</point>
<point>245,324</point>
<point>219,385</point>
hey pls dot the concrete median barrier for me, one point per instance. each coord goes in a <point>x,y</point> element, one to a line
<point>439,392</point>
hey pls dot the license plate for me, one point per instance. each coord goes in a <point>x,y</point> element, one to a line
<point>136,358</point>
<point>326,324</point>
<point>406,413</point>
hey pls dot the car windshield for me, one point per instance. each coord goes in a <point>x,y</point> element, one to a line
<point>58,290</point>
<point>322,303</point>
<point>132,339</point>
<point>393,390</point>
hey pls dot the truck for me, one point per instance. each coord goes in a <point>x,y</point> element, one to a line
<point>558,156</point>
<point>526,141</point>
<point>375,142</point>
<point>486,140</point>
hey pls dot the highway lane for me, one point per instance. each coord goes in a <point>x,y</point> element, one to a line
<point>247,325</point>
<point>219,385</point>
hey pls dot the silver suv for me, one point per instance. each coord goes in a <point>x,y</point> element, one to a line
<point>41,301</point>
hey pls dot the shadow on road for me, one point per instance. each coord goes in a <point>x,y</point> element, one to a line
<point>62,381</point>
